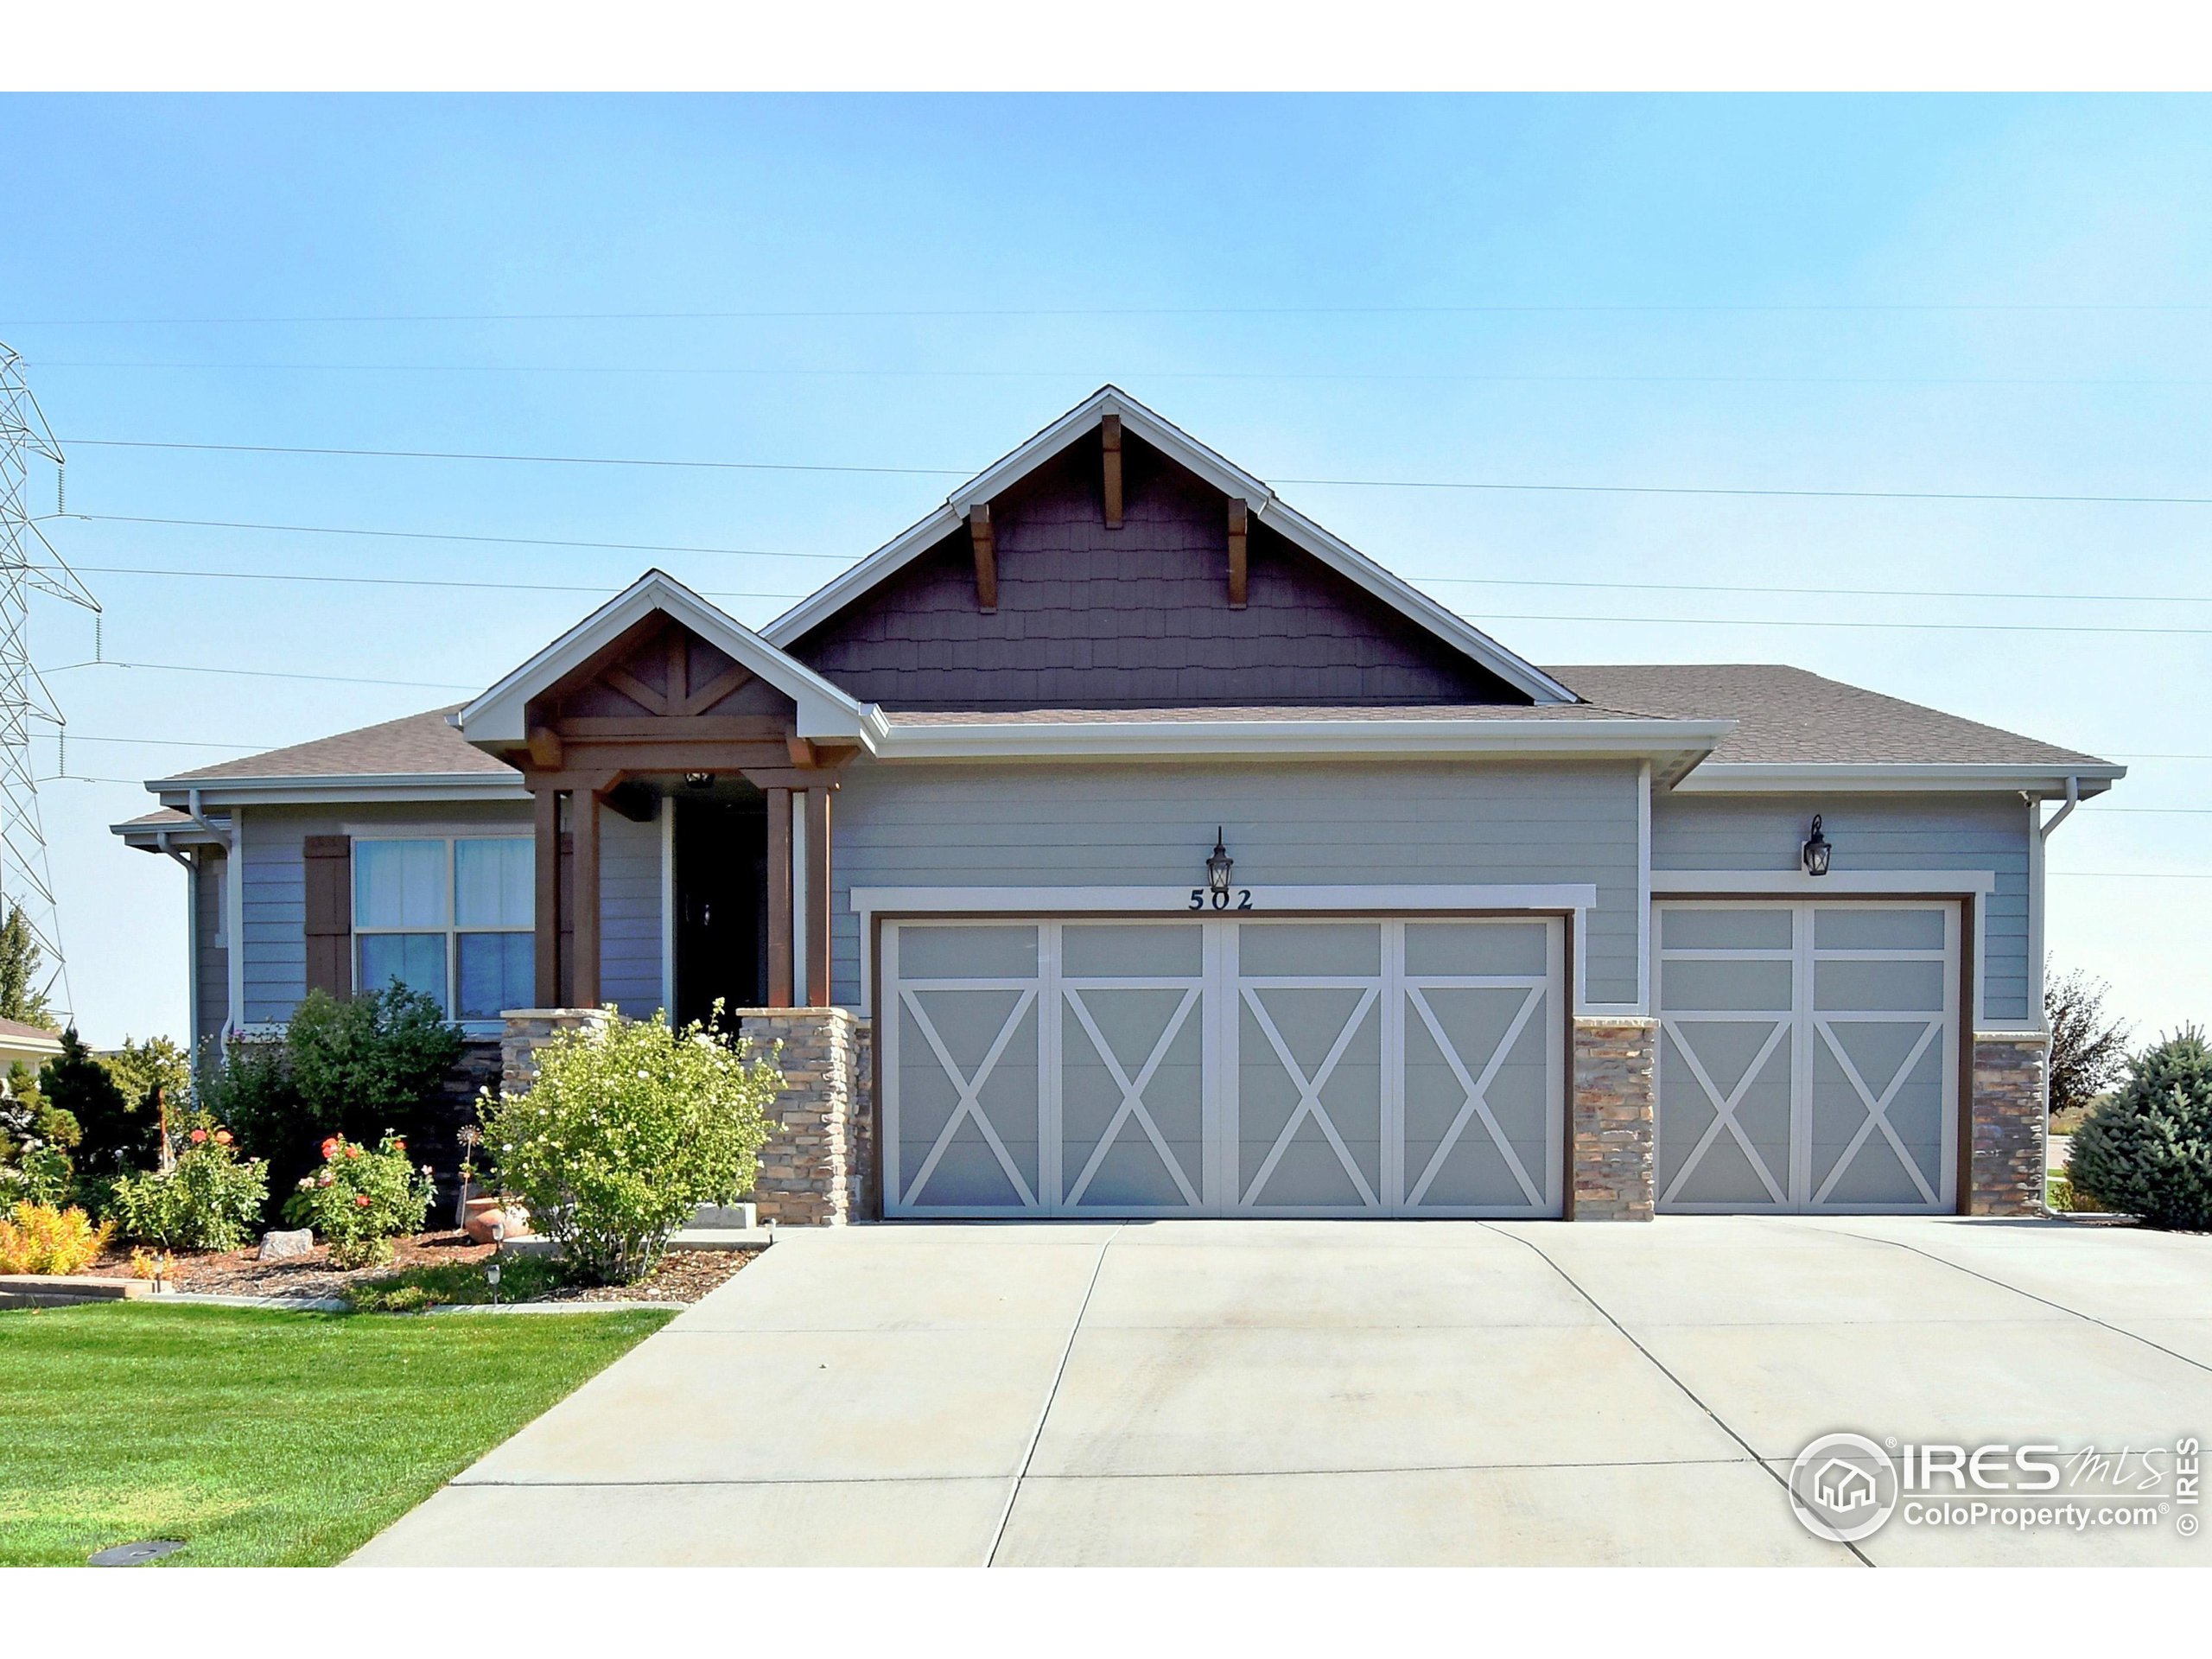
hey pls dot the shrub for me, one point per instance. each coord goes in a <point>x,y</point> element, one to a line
<point>210,1201</point>
<point>42,1239</point>
<point>443,1284</point>
<point>629,1127</point>
<point>360,1200</point>
<point>352,1069</point>
<point>2147,1148</point>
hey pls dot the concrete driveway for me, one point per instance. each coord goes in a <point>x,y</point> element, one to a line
<point>1342,1392</point>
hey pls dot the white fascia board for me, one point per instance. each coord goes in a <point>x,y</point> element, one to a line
<point>1216,470</point>
<point>1724,778</point>
<point>1109,739</point>
<point>497,717</point>
<point>1349,562</point>
<point>1796,883</point>
<point>300,791</point>
<point>1034,900</point>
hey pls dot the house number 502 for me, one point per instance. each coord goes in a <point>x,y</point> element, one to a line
<point>1200,897</point>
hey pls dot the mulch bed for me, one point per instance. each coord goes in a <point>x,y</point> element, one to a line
<point>682,1276</point>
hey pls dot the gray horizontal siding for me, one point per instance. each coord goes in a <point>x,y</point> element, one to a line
<point>274,871</point>
<point>1289,824</point>
<point>1890,832</point>
<point>629,913</point>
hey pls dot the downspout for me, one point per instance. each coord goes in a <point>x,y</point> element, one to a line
<point>2073,800</point>
<point>191,947</point>
<point>2037,902</point>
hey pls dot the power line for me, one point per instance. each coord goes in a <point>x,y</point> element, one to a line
<point>1488,616</point>
<point>1482,582</point>
<point>1345,483</point>
<point>450,535</point>
<point>1499,309</point>
<point>267,674</point>
<point>1393,376</point>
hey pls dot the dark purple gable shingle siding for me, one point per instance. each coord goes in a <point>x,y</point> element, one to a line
<point>1133,617</point>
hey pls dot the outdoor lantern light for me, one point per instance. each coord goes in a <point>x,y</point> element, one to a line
<point>1217,868</point>
<point>1815,853</point>
<point>698,780</point>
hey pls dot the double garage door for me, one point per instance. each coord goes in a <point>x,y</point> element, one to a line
<point>1809,1057</point>
<point>1223,1067</point>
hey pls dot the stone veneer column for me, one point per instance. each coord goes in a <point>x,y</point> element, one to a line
<point>816,1168</point>
<point>2004,1166</point>
<point>1610,1177</point>
<point>814,1171</point>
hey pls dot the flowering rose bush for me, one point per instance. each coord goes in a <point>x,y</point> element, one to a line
<point>210,1201</point>
<point>360,1200</point>
<point>629,1127</point>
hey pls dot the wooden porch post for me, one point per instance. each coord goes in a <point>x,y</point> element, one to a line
<point>546,946</point>
<point>583,972</point>
<point>779,897</point>
<point>817,898</point>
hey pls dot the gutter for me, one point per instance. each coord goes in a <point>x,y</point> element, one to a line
<point>2073,800</point>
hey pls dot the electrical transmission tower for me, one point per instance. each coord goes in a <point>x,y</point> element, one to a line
<point>28,564</point>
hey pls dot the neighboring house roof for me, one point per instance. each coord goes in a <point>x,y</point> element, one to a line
<point>1222,474</point>
<point>1788,721</point>
<point>20,1037</point>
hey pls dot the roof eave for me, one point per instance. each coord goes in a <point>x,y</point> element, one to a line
<point>276,791</point>
<point>1779,778</point>
<point>1680,743</point>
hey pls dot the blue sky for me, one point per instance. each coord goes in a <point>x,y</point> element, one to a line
<point>1768,292</point>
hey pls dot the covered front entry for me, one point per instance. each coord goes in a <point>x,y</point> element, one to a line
<point>1377,1067</point>
<point>1809,1057</point>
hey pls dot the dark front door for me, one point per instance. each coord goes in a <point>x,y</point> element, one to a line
<point>722,860</point>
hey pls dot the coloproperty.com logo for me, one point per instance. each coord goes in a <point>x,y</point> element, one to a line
<point>1846,1487</point>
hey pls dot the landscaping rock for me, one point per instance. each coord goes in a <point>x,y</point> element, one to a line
<point>296,1243</point>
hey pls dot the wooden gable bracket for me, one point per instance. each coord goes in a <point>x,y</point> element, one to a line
<point>987,564</point>
<point>1110,442</point>
<point>544,748</point>
<point>1238,569</point>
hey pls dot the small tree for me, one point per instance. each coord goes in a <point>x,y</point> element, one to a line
<point>628,1128</point>
<point>2146,1150</point>
<point>139,1068</point>
<point>116,1135</point>
<point>2088,1048</point>
<point>20,996</point>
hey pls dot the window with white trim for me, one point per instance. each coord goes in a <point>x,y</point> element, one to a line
<point>448,916</point>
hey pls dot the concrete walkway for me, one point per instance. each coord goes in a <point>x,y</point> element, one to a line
<point>1316,1392</point>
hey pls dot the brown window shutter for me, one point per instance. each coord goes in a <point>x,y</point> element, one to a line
<point>330,914</point>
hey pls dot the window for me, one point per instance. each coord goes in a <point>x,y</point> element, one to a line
<point>449,917</point>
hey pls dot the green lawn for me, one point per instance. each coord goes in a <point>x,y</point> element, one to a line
<point>262,1439</point>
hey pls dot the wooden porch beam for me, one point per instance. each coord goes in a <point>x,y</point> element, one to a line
<point>1110,442</point>
<point>544,748</point>
<point>779,897</point>
<point>714,691</point>
<point>986,564</point>
<point>583,973</point>
<point>680,670</point>
<point>1238,571</point>
<point>817,898</point>
<point>546,945</point>
<point>636,690</point>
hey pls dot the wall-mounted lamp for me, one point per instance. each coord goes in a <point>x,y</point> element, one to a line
<point>1217,867</point>
<point>1815,850</point>
<point>698,780</point>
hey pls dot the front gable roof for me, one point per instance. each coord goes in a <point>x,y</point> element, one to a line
<point>499,718</point>
<point>1141,423</point>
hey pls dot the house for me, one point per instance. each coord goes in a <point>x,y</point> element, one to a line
<point>30,1044</point>
<point>1119,842</point>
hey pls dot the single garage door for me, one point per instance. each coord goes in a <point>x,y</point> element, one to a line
<point>1809,1057</point>
<point>1219,1067</point>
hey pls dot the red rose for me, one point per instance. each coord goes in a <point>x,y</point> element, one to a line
<point>222,1137</point>
<point>330,1147</point>
<point>198,1136</point>
<point>361,1200</point>
<point>352,1152</point>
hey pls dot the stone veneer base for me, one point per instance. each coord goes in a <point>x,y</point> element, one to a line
<point>2006,1159</point>
<point>1609,1177</point>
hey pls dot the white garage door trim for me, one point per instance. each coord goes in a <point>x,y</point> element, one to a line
<point>1030,1029</point>
<point>1800,1039</point>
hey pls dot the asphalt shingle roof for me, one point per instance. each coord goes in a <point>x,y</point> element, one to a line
<point>406,747</point>
<point>1786,715</point>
